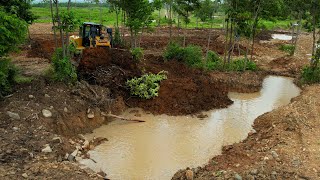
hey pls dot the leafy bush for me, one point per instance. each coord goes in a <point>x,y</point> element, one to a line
<point>63,70</point>
<point>241,65</point>
<point>147,86</point>
<point>137,54</point>
<point>191,55</point>
<point>13,32</point>
<point>7,76</point>
<point>310,75</point>
<point>288,48</point>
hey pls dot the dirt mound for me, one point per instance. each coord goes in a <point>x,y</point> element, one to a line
<point>264,35</point>
<point>108,67</point>
<point>186,91</point>
<point>42,48</point>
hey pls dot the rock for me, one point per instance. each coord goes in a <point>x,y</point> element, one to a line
<point>189,174</point>
<point>250,177</point>
<point>46,113</point>
<point>46,95</point>
<point>31,96</point>
<point>56,140</point>
<point>13,115</point>
<point>65,109</point>
<point>254,171</point>
<point>237,177</point>
<point>25,175</point>
<point>71,158</point>
<point>15,128</point>
<point>274,155</point>
<point>86,144</point>
<point>90,115</point>
<point>47,149</point>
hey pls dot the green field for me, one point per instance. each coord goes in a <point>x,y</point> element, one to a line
<point>92,14</point>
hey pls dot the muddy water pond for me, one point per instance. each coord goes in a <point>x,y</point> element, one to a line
<point>163,144</point>
<point>283,37</point>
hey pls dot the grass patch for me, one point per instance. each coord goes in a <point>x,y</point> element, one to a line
<point>288,48</point>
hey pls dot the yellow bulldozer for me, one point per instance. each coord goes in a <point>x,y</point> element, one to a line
<point>92,35</point>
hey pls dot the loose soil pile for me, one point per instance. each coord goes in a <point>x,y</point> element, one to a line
<point>186,91</point>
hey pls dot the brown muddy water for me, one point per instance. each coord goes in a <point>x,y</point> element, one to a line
<point>164,144</point>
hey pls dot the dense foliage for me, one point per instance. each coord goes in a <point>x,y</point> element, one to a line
<point>191,55</point>
<point>7,76</point>
<point>137,54</point>
<point>147,86</point>
<point>63,70</point>
<point>13,32</point>
<point>20,8</point>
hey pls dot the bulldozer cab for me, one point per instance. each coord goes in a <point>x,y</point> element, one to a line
<point>93,34</point>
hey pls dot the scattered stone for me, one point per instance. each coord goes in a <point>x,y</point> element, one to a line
<point>15,128</point>
<point>254,171</point>
<point>71,158</point>
<point>274,155</point>
<point>86,144</point>
<point>46,113</point>
<point>31,96</point>
<point>56,140</point>
<point>274,175</point>
<point>189,174</point>
<point>90,115</point>
<point>46,95</point>
<point>25,175</point>
<point>13,115</point>
<point>250,177</point>
<point>51,107</point>
<point>47,149</point>
<point>237,177</point>
<point>65,109</point>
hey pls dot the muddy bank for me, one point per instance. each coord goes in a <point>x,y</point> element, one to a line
<point>283,147</point>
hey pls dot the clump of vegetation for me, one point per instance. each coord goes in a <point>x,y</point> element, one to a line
<point>147,86</point>
<point>310,75</point>
<point>137,54</point>
<point>288,48</point>
<point>7,76</point>
<point>62,68</point>
<point>191,55</point>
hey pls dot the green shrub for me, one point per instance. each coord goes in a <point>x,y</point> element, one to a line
<point>241,65</point>
<point>137,54</point>
<point>288,48</point>
<point>191,55</point>
<point>8,73</point>
<point>173,51</point>
<point>147,86</point>
<point>64,71</point>
<point>310,75</point>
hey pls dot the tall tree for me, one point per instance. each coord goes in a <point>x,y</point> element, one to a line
<point>138,13</point>
<point>158,4</point>
<point>184,8</point>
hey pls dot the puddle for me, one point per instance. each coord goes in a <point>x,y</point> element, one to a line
<point>164,144</point>
<point>284,37</point>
